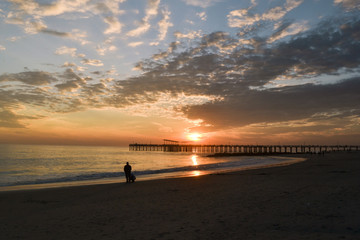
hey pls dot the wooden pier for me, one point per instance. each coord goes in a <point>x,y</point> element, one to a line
<point>173,146</point>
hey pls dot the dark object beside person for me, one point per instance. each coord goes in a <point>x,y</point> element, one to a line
<point>132,177</point>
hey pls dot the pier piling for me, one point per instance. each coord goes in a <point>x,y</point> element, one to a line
<point>173,146</point>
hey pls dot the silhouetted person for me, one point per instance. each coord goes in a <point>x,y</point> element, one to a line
<point>127,170</point>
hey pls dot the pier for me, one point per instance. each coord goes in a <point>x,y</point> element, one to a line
<point>174,146</point>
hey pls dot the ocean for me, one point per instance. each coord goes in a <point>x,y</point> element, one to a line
<point>36,166</point>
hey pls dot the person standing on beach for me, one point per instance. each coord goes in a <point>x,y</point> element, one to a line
<point>127,170</point>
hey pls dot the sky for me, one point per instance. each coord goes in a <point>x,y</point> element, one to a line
<point>114,72</point>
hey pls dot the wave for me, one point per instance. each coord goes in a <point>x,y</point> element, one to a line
<point>154,173</point>
<point>106,175</point>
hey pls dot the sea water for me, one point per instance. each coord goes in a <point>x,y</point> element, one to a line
<point>29,165</point>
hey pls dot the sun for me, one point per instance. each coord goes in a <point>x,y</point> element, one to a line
<point>194,136</point>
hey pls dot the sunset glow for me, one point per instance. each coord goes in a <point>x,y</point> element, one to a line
<point>194,137</point>
<point>114,72</point>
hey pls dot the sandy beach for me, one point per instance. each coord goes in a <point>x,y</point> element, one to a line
<point>315,199</point>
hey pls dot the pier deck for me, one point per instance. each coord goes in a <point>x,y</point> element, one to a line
<point>246,149</point>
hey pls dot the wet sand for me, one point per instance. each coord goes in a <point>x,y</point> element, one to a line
<point>315,199</point>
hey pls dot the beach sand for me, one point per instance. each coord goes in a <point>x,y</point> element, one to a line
<point>315,199</point>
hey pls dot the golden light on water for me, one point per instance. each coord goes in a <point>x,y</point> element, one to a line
<point>195,163</point>
<point>194,159</point>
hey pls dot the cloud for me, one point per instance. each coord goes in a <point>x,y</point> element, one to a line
<point>71,81</point>
<point>135,44</point>
<point>2,48</point>
<point>189,35</point>
<point>14,18</point>
<point>55,33</point>
<point>218,79</point>
<point>202,15</point>
<point>29,15</point>
<point>68,64</point>
<point>97,89</point>
<point>288,29</point>
<point>73,66</point>
<point>227,69</point>
<point>34,27</point>
<point>103,49</point>
<point>202,3</point>
<point>42,91</point>
<point>39,10</point>
<point>31,78</point>
<point>109,6</point>
<point>143,28</point>
<point>92,62</point>
<point>281,104</point>
<point>348,4</point>
<point>8,119</point>
<point>68,86</point>
<point>13,99</point>
<point>36,11</point>
<point>79,36</point>
<point>114,25</point>
<point>69,74</point>
<point>150,12</point>
<point>66,50</point>
<point>152,9</point>
<point>244,17</point>
<point>38,26</point>
<point>164,25</point>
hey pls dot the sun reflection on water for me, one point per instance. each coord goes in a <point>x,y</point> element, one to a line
<point>195,163</point>
<point>194,159</point>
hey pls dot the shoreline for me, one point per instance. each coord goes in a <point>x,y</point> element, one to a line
<point>229,154</point>
<point>293,158</point>
<point>313,199</point>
